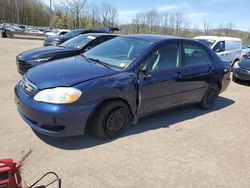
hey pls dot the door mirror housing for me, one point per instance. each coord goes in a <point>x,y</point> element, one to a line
<point>144,71</point>
<point>217,50</point>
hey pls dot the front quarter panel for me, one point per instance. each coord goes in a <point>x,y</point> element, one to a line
<point>122,85</point>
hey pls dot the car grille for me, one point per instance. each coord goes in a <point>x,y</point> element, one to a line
<point>28,87</point>
<point>22,66</point>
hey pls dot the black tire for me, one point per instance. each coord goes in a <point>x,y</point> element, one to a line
<point>110,120</point>
<point>209,97</point>
<point>235,79</point>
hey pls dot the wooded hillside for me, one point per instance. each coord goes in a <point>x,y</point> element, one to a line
<point>70,14</point>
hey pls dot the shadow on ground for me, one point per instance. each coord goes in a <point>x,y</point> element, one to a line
<point>162,119</point>
<point>244,83</point>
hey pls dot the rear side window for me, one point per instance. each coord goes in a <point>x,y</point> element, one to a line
<point>195,55</point>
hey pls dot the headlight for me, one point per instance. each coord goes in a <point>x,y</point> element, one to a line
<point>236,65</point>
<point>38,61</point>
<point>59,95</point>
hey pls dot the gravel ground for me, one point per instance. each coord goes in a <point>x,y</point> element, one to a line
<point>186,147</point>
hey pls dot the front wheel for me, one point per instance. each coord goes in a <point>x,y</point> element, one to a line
<point>110,120</point>
<point>209,97</point>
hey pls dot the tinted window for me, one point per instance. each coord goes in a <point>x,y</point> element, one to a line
<point>195,55</point>
<point>165,57</point>
<point>219,47</point>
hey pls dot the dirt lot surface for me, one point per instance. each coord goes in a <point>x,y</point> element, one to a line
<point>186,147</point>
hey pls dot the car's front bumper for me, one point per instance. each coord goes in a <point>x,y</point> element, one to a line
<point>52,119</point>
<point>241,74</point>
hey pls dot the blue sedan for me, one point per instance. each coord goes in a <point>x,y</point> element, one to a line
<point>109,87</point>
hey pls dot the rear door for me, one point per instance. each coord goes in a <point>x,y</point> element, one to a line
<point>163,88</point>
<point>197,72</point>
<point>220,49</point>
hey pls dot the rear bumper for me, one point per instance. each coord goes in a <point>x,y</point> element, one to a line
<point>225,81</point>
<point>52,119</point>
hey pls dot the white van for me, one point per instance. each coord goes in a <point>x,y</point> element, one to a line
<point>227,48</point>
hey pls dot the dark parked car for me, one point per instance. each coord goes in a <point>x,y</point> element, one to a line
<point>55,41</point>
<point>112,85</point>
<point>72,47</point>
<point>241,69</point>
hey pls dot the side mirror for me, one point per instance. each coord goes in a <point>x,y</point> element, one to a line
<point>144,71</point>
<point>218,50</point>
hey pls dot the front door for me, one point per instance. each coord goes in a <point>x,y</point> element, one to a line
<point>162,87</point>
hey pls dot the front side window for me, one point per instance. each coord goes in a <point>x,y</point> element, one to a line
<point>219,47</point>
<point>165,57</point>
<point>119,52</point>
<point>195,55</point>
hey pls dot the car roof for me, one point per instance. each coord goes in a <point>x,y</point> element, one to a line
<point>152,37</point>
<point>98,34</point>
<point>217,38</point>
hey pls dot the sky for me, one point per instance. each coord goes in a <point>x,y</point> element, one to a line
<point>213,11</point>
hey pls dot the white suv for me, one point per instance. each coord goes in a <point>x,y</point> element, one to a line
<point>227,48</point>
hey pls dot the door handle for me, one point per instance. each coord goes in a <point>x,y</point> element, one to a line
<point>178,75</point>
<point>210,69</point>
<point>147,77</point>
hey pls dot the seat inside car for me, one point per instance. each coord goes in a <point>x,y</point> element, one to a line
<point>168,58</point>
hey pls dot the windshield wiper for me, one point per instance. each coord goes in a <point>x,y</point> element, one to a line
<point>91,60</point>
<point>100,62</point>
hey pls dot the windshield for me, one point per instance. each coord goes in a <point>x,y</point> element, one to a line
<point>78,42</point>
<point>119,52</point>
<point>207,42</point>
<point>73,33</point>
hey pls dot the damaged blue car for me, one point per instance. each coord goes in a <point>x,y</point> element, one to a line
<point>109,87</point>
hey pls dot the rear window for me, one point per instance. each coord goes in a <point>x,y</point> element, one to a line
<point>195,55</point>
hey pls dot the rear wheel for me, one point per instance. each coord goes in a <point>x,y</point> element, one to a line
<point>210,96</point>
<point>111,120</point>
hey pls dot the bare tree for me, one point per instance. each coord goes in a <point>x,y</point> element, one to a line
<point>228,28</point>
<point>172,24</point>
<point>108,14</point>
<point>152,20</point>
<point>179,20</point>
<point>165,23</point>
<point>94,14</point>
<point>75,7</point>
<point>207,27</point>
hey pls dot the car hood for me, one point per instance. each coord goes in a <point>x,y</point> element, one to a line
<point>42,53</point>
<point>66,72</point>
<point>245,64</point>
